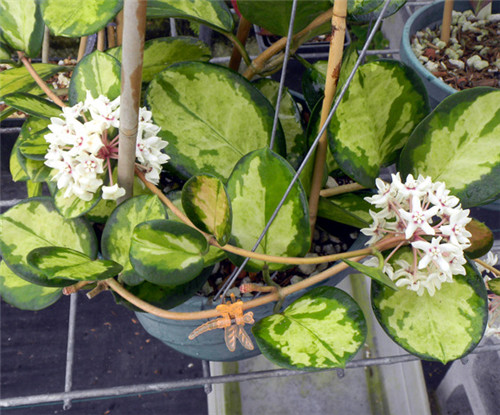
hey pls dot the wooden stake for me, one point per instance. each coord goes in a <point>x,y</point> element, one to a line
<point>46,45</point>
<point>100,40</point>
<point>446,25</point>
<point>242,35</point>
<point>333,71</point>
<point>81,49</point>
<point>119,28</point>
<point>111,36</point>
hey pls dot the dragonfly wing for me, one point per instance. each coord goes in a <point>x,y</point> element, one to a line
<point>244,338</point>
<point>230,337</point>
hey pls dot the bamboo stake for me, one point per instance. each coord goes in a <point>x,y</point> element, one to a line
<point>100,40</point>
<point>46,45</point>
<point>81,49</point>
<point>446,25</point>
<point>134,28</point>
<point>334,63</point>
<point>119,28</point>
<point>242,35</point>
<point>111,36</point>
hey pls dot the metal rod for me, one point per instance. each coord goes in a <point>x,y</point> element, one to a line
<point>173,29</point>
<point>70,352</point>
<point>200,382</point>
<point>205,365</point>
<point>9,130</point>
<point>283,73</point>
<point>46,45</point>
<point>230,281</point>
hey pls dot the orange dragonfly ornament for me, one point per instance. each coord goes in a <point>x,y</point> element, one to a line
<point>230,311</point>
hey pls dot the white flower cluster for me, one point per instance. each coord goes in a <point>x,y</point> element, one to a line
<point>84,140</point>
<point>431,221</point>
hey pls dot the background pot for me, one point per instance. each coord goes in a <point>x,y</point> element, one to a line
<point>430,16</point>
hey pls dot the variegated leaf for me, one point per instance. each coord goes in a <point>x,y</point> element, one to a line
<point>19,79</point>
<point>167,253</point>
<point>98,73</point>
<point>322,329</point>
<point>443,327</point>
<point>371,16</point>
<point>205,201</point>
<point>64,263</point>
<point>289,118</point>
<point>255,187</point>
<point>362,7</point>
<point>33,145</point>
<point>162,52</point>
<point>213,13</point>
<point>481,240</point>
<point>35,223</point>
<point>458,144</point>
<point>78,18</point>
<point>5,55</point>
<point>349,208</point>
<point>33,105</point>
<point>204,137</point>
<point>23,294</point>
<point>33,189</point>
<point>22,25</point>
<point>117,235</point>
<point>274,16</point>
<point>72,206</point>
<point>384,103</point>
<point>16,162</point>
<point>494,286</point>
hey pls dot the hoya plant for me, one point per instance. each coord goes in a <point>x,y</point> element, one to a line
<point>231,174</point>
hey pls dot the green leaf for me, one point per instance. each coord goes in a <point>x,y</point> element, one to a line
<point>19,79</point>
<point>255,187</point>
<point>362,7</point>
<point>494,286</point>
<point>72,206</point>
<point>394,6</point>
<point>482,239</point>
<point>458,144</point>
<point>204,137</point>
<point>167,253</point>
<point>323,329</point>
<point>349,209</point>
<point>64,263</point>
<point>289,118</point>
<point>383,104</point>
<point>213,13</point>
<point>97,73</point>
<point>443,327</point>
<point>162,52</point>
<point>34,146</point>
<point>313,83</point>
<point>16,162</point>
<point>207,205</point>
<point>33,189</point>
<point>35,223</point>
<point>275,15</point>
<point>33,105</point>
<point>22,25</point>
<point>373,273</point>
<point>5,55</point>
<point>117,235</point>
<point>78,18</point>
<point>23,294</point>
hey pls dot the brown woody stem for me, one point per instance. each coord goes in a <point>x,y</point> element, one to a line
<point>242,35</point>
<point>338,190</point>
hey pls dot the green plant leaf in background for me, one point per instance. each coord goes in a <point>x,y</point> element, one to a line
<point>33,105</point>
<point>494,286</point>
<point>275,15</point>
<point>371,16</point>
<point>482,239</point>
<point>207,205</point>
<point>22,25</point>
<point>213,13</point>
<point>211,117</point>
<point>65,263</point>
<point>23,294</point>
<point>348,208</point>
<point>384,103</point>
<point>72,206</point>
<point>98,73</point>
<point>34,146</point>
<point>375,274</point>
<point>167,253</point>
<point>458,144</point>
<point>78,18</point>
<point>162,52</point>
<point>35,223</point>
<point>117,234</point>
<point>324,328</point>
<point>289,118</point>
<point>5,55</point>
<point>443,327</point>
<point>362,7</point>
<point>19,79</point>
<point>33,189</point>
<point>255,187</point>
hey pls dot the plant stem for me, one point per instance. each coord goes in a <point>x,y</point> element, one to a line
<point>333,71</point>
<point>238,45</point>
<point>488,267</point>
<point>446,24</point>
<point>134,20</point>
<point>259,62</point>
<point>39,80</point>
<point>46,45</point>
<point>242,35</point>
<point>338,190</point>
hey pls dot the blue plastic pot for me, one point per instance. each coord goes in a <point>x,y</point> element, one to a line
<point>429,16</point>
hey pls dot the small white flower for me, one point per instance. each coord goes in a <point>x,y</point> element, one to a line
<point>435,252</point>
<point>418,218</point>
<point>112,192</point>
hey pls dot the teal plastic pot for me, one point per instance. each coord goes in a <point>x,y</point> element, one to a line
<point>430,16</point>
<point>211,345</point>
